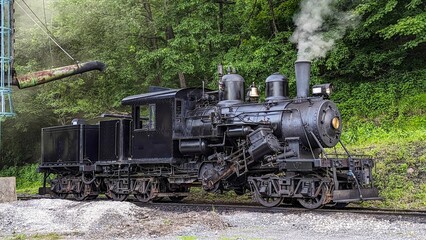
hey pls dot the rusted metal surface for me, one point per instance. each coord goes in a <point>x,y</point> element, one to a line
<point>41,77</point>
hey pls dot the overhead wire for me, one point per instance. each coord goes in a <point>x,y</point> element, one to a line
<point>45,23</point>
<point>45,29</point>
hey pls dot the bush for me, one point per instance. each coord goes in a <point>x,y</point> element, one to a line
<point>28,180</point>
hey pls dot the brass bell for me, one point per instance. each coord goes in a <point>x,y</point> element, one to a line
<point>254,92</point>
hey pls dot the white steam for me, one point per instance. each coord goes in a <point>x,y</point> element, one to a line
<point>319,25</point>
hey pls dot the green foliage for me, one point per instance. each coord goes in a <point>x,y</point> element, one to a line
<point>400,172</point>
<point>28,180</point>
<point>390,37</point>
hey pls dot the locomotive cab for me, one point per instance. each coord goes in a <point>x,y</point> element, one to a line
<point>152,126</point>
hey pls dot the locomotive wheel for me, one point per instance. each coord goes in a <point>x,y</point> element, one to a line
<point>80,196</point>
<point>146,195</point>
<point>83,193</point>
<point>117,196</point>
<point>315,202</point>
<point>269,201</point>
<point>86,191</point>
<point>143,197</point>
<point>208,174</point>
<point>56,189</point>
<point>269,184</point>
<point>59,195</point>
<point>113,189</point>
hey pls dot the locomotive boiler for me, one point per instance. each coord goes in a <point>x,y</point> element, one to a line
<point>224,140</point>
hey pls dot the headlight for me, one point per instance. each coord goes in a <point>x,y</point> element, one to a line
<point>335,123</point>
<point>322,90</point>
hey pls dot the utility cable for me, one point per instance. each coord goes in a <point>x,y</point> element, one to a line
<point>45,25</point>
<point>45,30</point>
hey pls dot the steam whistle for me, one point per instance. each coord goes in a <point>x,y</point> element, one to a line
<point>41,77</point>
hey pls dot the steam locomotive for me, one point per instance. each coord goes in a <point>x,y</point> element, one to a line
<point>224,140</point>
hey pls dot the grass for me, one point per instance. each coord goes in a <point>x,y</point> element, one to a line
<point>28,180</point>
<point>399,150</point>
<point>48,236</point>
<point>400,173</point>
<point>199,195</point>
<point>188,238</point>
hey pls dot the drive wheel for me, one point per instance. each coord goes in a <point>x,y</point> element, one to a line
<point>57,189</point>
<point>269,201</point>
<point>80,196</point>
<point>269,196</point>
<point>145,194</point>
<point>59,195</point>
<point>315,202</point>
<point>117,196</point>
<point>208,174</point>
<point>143,197</point>
<point>83,193</point>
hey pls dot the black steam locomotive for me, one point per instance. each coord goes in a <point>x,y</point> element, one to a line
<point>223,140</point>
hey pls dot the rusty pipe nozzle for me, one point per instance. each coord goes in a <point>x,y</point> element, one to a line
<point>41,77</point>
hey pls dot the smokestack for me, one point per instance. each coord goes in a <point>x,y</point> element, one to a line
<point>303,72</point>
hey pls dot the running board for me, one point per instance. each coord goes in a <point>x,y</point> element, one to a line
<point>354,196</point>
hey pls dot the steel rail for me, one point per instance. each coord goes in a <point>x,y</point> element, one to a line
<point>254,207</point>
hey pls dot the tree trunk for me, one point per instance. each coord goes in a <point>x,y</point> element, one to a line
<point>182,80</point>
<point>154,41</point>
<point>274,24</point>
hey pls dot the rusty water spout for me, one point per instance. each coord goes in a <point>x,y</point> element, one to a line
<point>41,77</point>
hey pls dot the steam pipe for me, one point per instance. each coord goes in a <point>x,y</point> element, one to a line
<point>303,71</point>
<point>41,77</point>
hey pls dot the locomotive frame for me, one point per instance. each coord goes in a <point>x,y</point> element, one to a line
<point>175,138</point>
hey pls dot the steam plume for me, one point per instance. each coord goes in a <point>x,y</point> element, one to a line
<point>319,25</point>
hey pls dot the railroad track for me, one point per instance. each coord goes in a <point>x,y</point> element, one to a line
<point>233,206</point>
<point>223,207</point>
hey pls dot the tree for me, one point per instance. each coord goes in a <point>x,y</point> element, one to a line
<point>389,38</point>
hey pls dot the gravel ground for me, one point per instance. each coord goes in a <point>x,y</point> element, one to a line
<point>124,220</point>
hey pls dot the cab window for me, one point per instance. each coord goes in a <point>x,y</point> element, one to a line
<point>145,117</point>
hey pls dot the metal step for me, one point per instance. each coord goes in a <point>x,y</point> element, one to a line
<point>353,195</point>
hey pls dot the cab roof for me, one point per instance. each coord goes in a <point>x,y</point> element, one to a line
<point>149,97</point>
